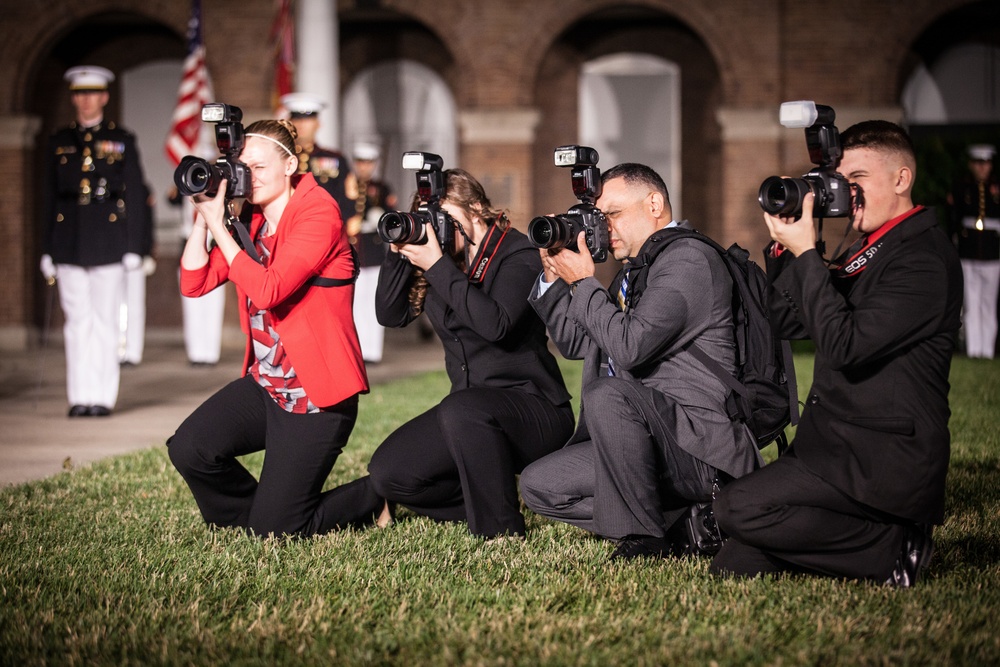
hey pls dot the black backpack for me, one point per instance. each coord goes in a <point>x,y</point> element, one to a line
<point>763,392</point>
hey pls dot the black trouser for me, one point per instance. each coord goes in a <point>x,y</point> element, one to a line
<point>458,460</point>
<point>783,517</point>
<point>300,451</point>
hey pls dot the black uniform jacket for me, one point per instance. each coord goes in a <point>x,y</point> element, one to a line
<point>968,202</point>
<point>491,335</point>
<point>94,204</point>
<point>875,422</point>
<point>330,168</point>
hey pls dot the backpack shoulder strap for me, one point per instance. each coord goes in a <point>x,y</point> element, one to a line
<point>652,249</point>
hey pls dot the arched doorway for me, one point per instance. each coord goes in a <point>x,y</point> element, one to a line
<point>961,86</point>
<point>129,45</point>
<point>630,112</point>
<point>586,81</point>
<point>401,105</point>
<point>950,94</point>
<point>149,94</point>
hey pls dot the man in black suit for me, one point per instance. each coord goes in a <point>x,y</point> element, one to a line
<point>863,482</point>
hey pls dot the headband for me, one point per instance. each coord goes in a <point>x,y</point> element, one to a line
<point>273,141</point>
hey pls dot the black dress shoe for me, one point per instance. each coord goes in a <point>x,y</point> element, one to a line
<point>79,411</point>
<point>914,557</point>
<point>641,546</point>
<point>98,411</point>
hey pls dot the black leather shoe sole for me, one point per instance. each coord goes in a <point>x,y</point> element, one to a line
<point>79,411</point>
<point>641,546</point>
<point>913,559</point>
<point>98,411</point>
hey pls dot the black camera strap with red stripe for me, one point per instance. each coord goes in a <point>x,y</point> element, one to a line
<point>860,255</point>
<point>487,251</point>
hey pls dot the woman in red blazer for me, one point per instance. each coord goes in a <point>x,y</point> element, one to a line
<point>298,397</point>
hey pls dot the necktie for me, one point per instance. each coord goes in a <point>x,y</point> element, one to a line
<point>623,292</point>
<point>623,305</point>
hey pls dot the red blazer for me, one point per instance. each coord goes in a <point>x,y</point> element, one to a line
<point>316,324</point>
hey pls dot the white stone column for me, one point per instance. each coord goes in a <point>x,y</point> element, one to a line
<point>317,66</point>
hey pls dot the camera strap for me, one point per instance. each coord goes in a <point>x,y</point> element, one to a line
<point>487,251</point>
<point>242,237</point>
<point>316,281</point>
<point>860,255</point>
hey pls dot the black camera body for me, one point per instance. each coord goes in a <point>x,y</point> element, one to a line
<point>402,227</point>
<point>561,231</point>
<point>195,175</point>
<point>783,196</point>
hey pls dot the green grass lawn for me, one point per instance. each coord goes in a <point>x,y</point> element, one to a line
<point>111,564</point>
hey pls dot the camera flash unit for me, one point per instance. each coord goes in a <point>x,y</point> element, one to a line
<point>418,161</point>
<point>802,113</point>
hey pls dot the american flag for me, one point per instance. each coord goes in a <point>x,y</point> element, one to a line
<point>283,43</point>
<point>188,133</point>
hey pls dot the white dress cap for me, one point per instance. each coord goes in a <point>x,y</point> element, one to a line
<point>365,151</point>
<point>302,104</point>
<point>88,77</point>
<point>983,152</point>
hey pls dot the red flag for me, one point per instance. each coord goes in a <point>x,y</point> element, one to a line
<point>283,43</point>
<point>195,90</point>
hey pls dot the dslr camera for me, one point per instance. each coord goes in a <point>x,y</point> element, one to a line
<point>561,231</point>
<point>195,176</point>
<point>783,196</point>
<point>408,228</point>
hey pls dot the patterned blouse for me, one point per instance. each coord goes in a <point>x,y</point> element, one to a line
<point>272,369</point>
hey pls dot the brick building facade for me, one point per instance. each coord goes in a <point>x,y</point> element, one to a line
<point>513,68</point>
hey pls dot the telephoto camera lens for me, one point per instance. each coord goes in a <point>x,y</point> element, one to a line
<point>401,228</point>
<point>783,196</point>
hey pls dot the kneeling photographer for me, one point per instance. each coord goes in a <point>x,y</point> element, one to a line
<point>302,374</point>
<point>654,430</point>
<point>858,491</point>
<point>458,259</point>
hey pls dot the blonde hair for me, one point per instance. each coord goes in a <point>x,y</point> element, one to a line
<point>281,132</point>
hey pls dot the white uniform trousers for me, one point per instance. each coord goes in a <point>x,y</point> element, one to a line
<point>203,325</point>
<point>91,301</point>
<point>979,312</point>
<point>370,333</point>
<point>134,319</point>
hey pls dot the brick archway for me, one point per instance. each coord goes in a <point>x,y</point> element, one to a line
<point>642,28</point>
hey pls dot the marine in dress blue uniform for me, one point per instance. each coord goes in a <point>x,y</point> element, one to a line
<point>94,216</point>
<point>975,228</point>
<point>331,168</point>
<point>373,199</point>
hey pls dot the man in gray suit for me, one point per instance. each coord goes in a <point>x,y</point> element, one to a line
<point>653,433</point>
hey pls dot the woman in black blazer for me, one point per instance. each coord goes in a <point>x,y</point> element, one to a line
<point>508,404</point>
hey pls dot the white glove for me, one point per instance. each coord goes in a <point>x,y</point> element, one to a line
<point>48,268</point>
<point>131,261</point>
<point>148,265</point>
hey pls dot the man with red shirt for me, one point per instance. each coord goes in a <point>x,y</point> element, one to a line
<point>861,486</point>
